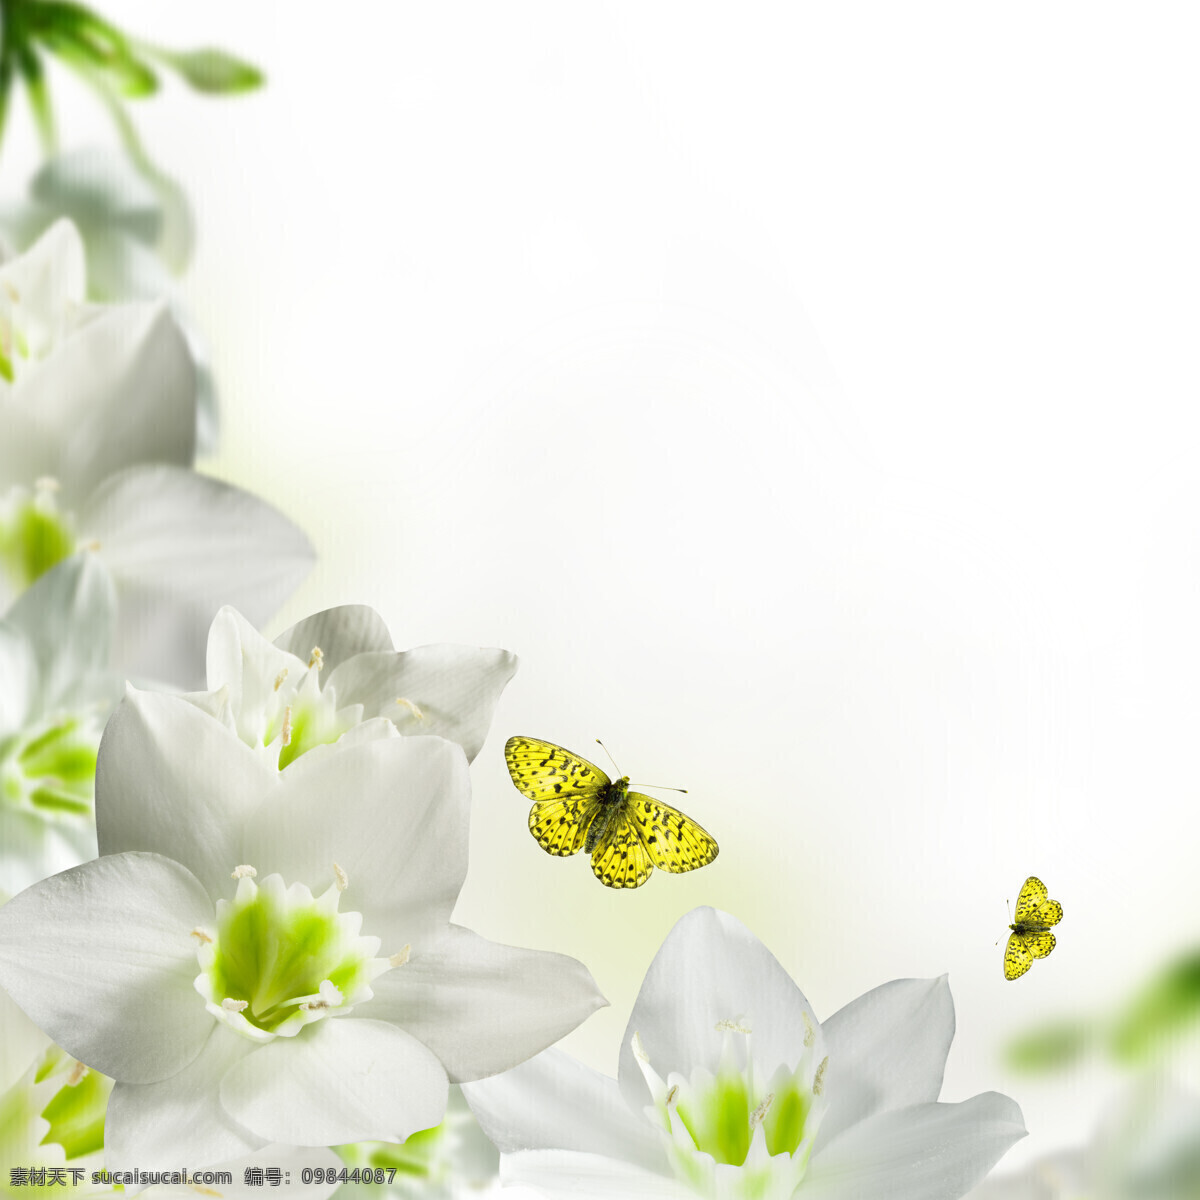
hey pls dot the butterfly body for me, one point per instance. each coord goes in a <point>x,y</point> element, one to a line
<point>1031,937</point>
<point>611,801</point>
<point>577,807</point>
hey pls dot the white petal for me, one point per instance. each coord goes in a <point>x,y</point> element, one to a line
<point>1057,1177</point>
<point>21,1041</point>
<point>172,780</point>
<point>34,845</point>
<point>338,1081</point>
<point>555,1102</point>
<point>68,616</point>
<point>102,958</point>
<point>393,814</point>
<point>240,659</point>
<point>157,1126</point>
<point>567,1173</point>
<point>454,688</point>
<point>482,1007</point>
<point>49,282</point>
<point>290,1160</point>
<point>120,391</point>
<point>181,545</point>
<point>711,969</point>
<point>19,678</point>
<point>926,1152</point>
<point>887,1049</point>
<point>340,632</point>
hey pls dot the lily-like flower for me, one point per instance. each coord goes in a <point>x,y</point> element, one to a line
<point>56,692</point>
<point>729,1088</point>
<point>1146,1148</point>
<point>337,671</point>
<point>121,219</point>
<point>98,410</point>
<point>267,956</point>
<point>451,1161</point>
<point>52,1121</point>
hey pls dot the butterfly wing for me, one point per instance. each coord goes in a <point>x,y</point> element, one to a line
<point>673,841</point>
<point>1034,907</point>
<point>1018,957</point>
<point>561,826</point>
<point>565,790</point>
<point>1039,944</point>
<point>543,771</point>
<point>620,860</point>
<point>1033,894</point>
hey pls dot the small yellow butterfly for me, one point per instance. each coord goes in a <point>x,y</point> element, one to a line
<point>577,807</point>
<point>1031,937</point>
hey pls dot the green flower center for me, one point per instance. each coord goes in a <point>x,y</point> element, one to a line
<point>51,1118</point>
<point>51,768</point>
<point>302,716</point>
<point>34,534</point>
<point>765,1128</point>
<point>280,959</point>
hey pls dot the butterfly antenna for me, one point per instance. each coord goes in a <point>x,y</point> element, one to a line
<point>661,787</point>
<point>610,757</point>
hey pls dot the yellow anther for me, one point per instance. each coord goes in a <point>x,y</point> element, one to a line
<point>78,1072</point>
<point>245,871</point>
<point>280,678</point>
<point>819,1078</point>
<point>731,1027</point>
<point>234,1006</point>
<point>342,882</point>
<point>810,1034</point>
<point>316,659</point>
<point>287,726</point>
<point>199,934</point>
<point>756,1117</point>
<point>412,708</point>
<point>401,956</point>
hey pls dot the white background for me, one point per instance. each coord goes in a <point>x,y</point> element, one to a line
<point>806,392</point>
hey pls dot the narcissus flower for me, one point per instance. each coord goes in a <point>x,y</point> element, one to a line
<point>52,1128</point>
<point>729,1088</point>
<point>336,671</point>
<point>98,408</point>
<point>56,692</point>
<point>267,956</point>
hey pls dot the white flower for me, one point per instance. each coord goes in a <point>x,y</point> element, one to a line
<point>1146,1148</point>
<point>97,405</point>
<point>122,220</point>
<point>52,1120</point>
<point>729,1087</point>
<point>336,671</point>
<point>451,1161</point>
<point>55,694</point>
<point>267,956</point>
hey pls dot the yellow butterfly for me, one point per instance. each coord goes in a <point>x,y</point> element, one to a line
<point>1031,937</point>
<point>577,807</point>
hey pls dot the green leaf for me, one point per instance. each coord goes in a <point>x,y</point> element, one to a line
<point>1161,1012</point>
<point>1052,1047</point>
<point>214,71</point>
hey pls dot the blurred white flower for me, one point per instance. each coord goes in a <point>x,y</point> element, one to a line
<point>267,956</point>
<point>336,671</point>
<point>452,1161</point>
<point>729,1087</point>
<point>1146,1148</point>
<point>97,405</point>
<point>121,219</point>
<point>56,692</point>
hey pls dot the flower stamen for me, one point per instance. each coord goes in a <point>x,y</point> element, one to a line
<point>234,1006</point>
<point>819,1077</point>
<point>280,678</point>
<point>316,659</point>
<point>400,957</point>
<point>412,708</point>
<point>245,871</point>
<point>340,876</point>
